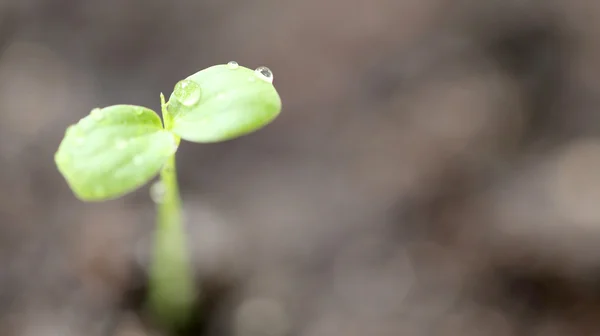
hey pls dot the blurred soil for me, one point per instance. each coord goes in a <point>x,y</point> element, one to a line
<point>435,170</point>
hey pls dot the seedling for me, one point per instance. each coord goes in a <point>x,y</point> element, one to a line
<point>117,149</point>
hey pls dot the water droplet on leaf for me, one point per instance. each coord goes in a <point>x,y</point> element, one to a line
<point>264,73</point>
<point>233,65</point>
<point>157,192</point>
<point>175,147</point>
<point>97,114</point>
<point>187,92</point>
<point>139,111</point>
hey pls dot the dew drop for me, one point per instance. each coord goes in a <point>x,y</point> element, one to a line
<point>139,111</point>
<point>187,92</point>
<point>97,114</point>
<point>157,192</point>
<point>121,144</point>
<point>264,73</point>
<point>233,65</point>
<point>174,147</point>
<point>138,160</point>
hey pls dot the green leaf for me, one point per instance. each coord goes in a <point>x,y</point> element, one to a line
<point>114,151</point>
<point>222,102</point>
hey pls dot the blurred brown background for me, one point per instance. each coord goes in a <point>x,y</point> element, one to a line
<point>435,170</point>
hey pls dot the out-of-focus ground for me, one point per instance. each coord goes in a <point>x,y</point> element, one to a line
<point>435,170</point>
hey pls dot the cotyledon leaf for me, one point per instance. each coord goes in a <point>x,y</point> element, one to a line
<point>222,102</point>
<point>114,151</point>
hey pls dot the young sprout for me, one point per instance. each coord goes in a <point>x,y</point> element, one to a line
<point>117,149</point>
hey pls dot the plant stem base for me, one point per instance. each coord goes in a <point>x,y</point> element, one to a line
<point>172,293</point>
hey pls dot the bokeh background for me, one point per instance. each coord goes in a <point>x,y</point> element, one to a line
<point>435,169</point>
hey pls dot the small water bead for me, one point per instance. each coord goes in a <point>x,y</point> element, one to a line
<point>157,192</point>
<point>233,65</point>
<point>97,114</point>
<point>174,147</point>
<point>264,73</point>
<point>187,92</point>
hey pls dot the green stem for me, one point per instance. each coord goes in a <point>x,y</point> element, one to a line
<point>172,292</point>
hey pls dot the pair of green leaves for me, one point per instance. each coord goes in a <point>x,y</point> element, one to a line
<point>117,149</point>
